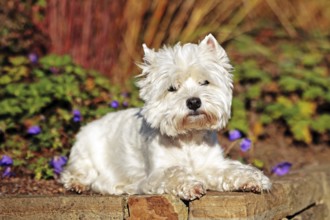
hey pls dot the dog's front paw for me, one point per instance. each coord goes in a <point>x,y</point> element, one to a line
<point>190,191</point>
<point>240,177</point>
<point>253,181</point>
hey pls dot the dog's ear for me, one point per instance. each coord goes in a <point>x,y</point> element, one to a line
<point>148,54</point>
<point>146,49</point>
<point>212,45</point>
<point>210,42</point>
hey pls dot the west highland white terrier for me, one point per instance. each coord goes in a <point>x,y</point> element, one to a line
<point>170,144</point>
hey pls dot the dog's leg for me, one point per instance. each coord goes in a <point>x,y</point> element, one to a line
<point>174,180</point>
<point>235,176</point>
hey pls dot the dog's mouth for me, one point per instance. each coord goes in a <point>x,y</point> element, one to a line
<point>195,116</point>
<point>198,120</point>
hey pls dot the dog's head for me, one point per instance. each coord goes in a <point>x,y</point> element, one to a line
<point>186,87</point>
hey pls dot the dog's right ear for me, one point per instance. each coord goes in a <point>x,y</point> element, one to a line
<point>146,49</point>
<point>148,54</point>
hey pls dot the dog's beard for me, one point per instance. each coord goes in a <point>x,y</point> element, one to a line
<point>199,120</point>
<point>189,122</point>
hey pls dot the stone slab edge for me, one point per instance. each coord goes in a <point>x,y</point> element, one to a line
<point>62,207</point>
<point>290,195</point>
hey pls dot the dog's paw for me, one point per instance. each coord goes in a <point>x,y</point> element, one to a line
<point>79,188</point>
<point>76,187</point>
<point>253,181</point>
<point>190,191</point>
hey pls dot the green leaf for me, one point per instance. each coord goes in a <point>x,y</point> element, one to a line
<point>55,61</point>
<point>18,60</point>
<point>327,96</point>
<point>306,109</point>
<point>290,84</point>
<point>301,131</point>
<point>42,3</point>
<point>254,91</point>
<point>313,92</point>
<point>239,116</point>
<point>311,59</point>
<point>6,79</point>
<point>266,118</point>
<point>248,46</point>
<point>250,70</point>
<point>38,73</point>
<point>274,111</point>
<point>321,123</point>
<point>258,163</point>
<point>10,107</point>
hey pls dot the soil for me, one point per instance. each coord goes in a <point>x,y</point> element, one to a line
<point>273,149</point>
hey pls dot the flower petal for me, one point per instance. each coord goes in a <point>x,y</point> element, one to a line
<point>282,168</point>
<point>234,135</point>
<point>7,172</point>
<point>57,163</point>
<point>6,161</point>
<point>245,144</point>
<point>34,130</point>
<point>76,115</point>
<point>33,57</point>
<point>114,104</point>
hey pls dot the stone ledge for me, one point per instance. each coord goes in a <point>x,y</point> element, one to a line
<point>289,195</point>
<point>303,194</point>
<point>62,207</point>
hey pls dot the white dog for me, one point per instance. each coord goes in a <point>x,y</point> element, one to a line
<point>170,144</point>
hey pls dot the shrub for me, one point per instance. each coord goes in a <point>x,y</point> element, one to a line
<point>287,82</point>
<point>44,102</point>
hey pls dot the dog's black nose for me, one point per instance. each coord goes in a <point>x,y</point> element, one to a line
<point>194,103</point>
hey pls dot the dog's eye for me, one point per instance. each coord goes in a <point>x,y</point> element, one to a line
<point>171,89</point>
<point>205,83</point>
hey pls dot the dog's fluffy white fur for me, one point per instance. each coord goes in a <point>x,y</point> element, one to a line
<point>170,144</point>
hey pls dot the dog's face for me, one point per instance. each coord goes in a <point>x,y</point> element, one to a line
<point>186,88</point>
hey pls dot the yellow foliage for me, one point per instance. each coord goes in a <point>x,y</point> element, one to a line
<point>306,108</point>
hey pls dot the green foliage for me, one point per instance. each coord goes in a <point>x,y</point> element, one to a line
<point>45,94</point>
<point>289,84</point>
<point>239,111</point>
<point>41,168</point>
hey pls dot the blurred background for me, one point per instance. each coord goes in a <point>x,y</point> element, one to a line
<point>107,35</point>
<point>64,63</point>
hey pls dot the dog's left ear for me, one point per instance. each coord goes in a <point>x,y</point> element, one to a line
<point>212,45</point>
<point>210,42</point>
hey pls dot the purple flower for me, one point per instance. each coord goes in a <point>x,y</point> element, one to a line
<point>54,69</point>
<point>7,172</point>
<point>282,168</point>
<point>125,104</point>
<point>114,104</point>
<point>34,130</point>
<point>125,94</point>
<point>234,135</point>
<point>33,57</point>
<point>57,163</point>
<point>76,115</point>
<point>6,161</point>
<point>245,144</point>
